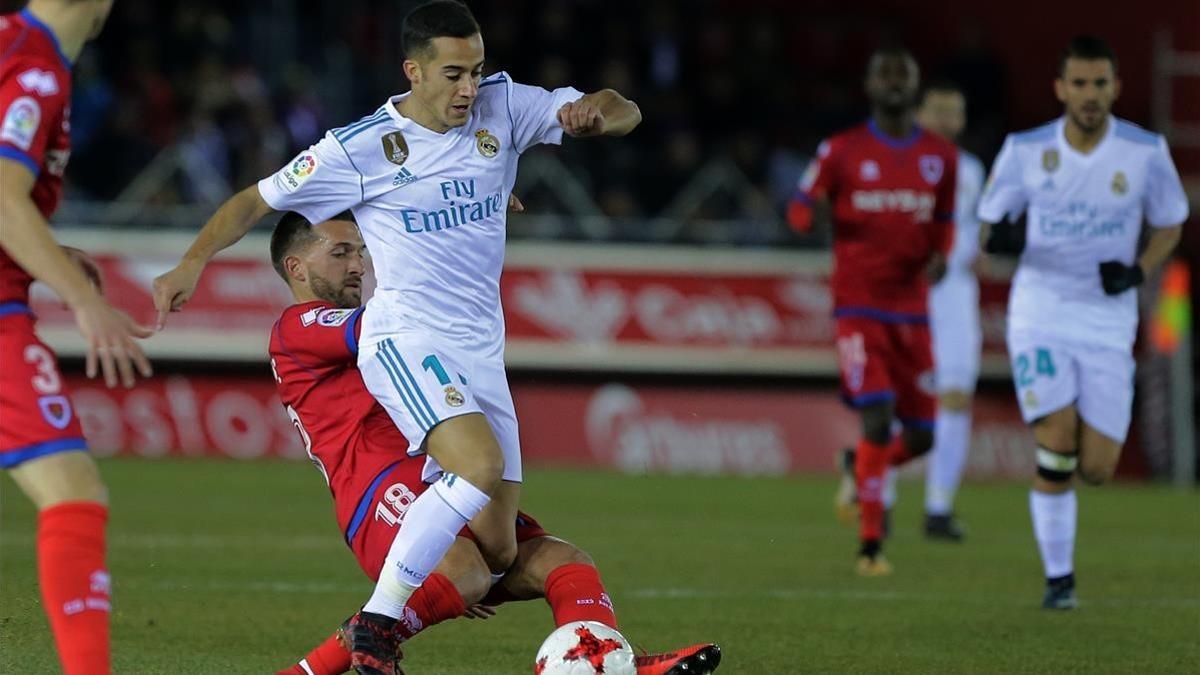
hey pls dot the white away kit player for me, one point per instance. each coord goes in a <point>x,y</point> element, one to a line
<point>427,177</point>
<point>953,320</point>
<point>1087,182</point>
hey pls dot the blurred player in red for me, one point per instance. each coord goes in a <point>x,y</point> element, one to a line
<point>41,442</point>
<point>364,458</point>
<point>890,186</point>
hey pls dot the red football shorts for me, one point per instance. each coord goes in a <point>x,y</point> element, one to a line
<point>36,416</point>
<point>382,515</point>
<point>883,361</point>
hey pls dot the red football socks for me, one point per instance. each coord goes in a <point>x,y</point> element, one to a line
<point>434,602</point>
<point>329,658</point>
<point>898,453</point>
<point>575,593</point>
<point>75,584</point>
<point>870,463</point>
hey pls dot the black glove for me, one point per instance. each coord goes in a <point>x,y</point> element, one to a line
<point>1005,238</point>
<point>1117,277</point>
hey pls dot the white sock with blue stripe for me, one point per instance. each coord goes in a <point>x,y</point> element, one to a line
<point>430,525</point>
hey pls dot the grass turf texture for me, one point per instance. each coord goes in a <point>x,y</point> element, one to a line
<point>223,567</point>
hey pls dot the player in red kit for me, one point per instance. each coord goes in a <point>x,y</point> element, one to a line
<point>364,459</point>
<point>41,442</point>
<point>890,188</point>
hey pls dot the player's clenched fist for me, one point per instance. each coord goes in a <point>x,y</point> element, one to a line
<point>581,119</point>
<point>173,289</point>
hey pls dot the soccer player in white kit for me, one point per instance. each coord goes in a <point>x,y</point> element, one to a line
<point>427,177</point>
<point>1086,181</point>
<point>953,320</point>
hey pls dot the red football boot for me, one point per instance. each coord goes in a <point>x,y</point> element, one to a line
<point>698,659</point>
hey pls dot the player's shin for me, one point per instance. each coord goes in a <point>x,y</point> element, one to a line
<point>871,461</point>
<point>944,471</point>
<point>575,593</point>
<point>430,527</point>
<point>1052,506</point>
<point>75,584</point>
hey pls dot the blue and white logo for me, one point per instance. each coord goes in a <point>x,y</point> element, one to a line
<point>403,177</point>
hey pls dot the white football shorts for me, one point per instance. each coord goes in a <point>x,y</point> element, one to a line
<point>957,338</point>
<point>1050,374</point>
<point>422,382</point>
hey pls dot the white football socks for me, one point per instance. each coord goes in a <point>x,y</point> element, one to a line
<point>1054,517</point>
<point>430,525</point>
<point>947,459</point>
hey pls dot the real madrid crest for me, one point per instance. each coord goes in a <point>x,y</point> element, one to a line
<point>1050,159</point>
<point>395,148</point>
<point>488,145</point>
<point>454,397</point>
<point>1031,399</point>
<point>1120,184</point>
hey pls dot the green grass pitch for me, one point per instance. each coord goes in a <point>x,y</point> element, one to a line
<point>224,567</point>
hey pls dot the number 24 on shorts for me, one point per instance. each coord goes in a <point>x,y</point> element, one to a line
<point>1043,364</point>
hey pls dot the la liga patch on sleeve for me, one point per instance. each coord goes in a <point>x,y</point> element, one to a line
<point>21,122</point>
<point>290,178</point>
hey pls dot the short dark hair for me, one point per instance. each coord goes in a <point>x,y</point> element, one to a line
<point>890,50</point>
<point>291,232</point>
<point>943,85</point>
<point>440,18</point>
<point>1087,48</point>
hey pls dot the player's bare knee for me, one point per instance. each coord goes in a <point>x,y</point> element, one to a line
<point>918,441</point>
<point>60,478</point>
<point>1096,472</point>
<point>877,424</point>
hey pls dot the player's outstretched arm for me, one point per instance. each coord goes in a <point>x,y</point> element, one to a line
<point>603,113</point>
<point>229,224</point>
<point>26,236</point>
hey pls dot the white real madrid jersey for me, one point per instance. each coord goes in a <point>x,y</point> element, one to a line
<point>1082,210</point>
<point>431,206</point>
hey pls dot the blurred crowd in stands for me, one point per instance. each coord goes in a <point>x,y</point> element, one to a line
<point>745,90</point>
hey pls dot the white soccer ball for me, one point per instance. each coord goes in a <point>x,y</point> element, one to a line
<point>585,648</point>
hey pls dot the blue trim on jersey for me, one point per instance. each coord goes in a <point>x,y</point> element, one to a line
<point>413,381</point>
<point>1036,134</point>
<point>13,153</point>
<point>352,134</point>
<point>341,132</point>
<point>917,423</point>
<point>11,458</point>
<point>870,398</point>
<point>14,307</point>
<point>1131,132</point>
<point>351,337</point>
<point>488,83</point>
<point>880,315</point>
<point>37,23</point>
<point>362,188</point>
<point>802,197</point>
<point>360,511</point>
<point>894,143</point>
<point>401,388</point>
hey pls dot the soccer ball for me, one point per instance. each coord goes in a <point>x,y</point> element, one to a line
<point>585,648</point>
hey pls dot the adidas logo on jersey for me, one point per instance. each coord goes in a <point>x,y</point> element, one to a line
<point>403,177</point>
